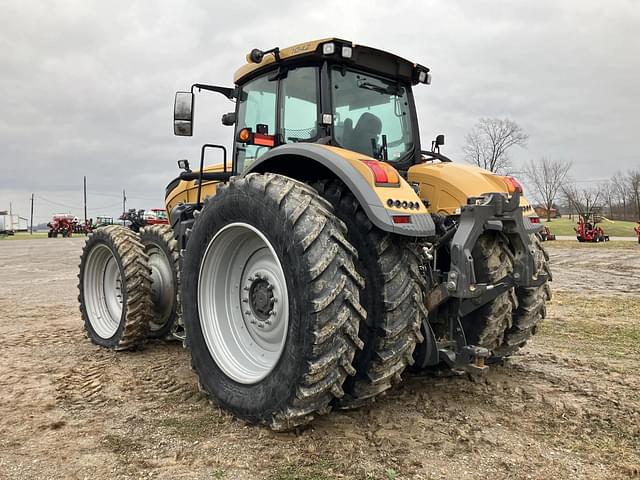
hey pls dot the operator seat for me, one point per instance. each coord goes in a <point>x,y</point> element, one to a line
<point>359,139</point>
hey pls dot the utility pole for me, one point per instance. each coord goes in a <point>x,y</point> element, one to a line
<point>10,216</point>
<point>85,199</point>
<point>124,204</point>
<point>31,222</point>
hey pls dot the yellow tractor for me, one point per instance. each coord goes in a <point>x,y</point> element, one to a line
<point>329,252</point>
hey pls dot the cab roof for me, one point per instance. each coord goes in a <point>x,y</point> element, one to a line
<point>315,51</point>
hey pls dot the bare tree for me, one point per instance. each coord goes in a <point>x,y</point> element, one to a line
<point>489,142</point>
<point>547,177</point>
<point>586,201</point>
<point>621,189</point>
<point>634,187</point>
<point>608,195</point>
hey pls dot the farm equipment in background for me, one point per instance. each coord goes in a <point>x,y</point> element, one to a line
<point>65,225</point>
<point>587,229</point>
<point>546,235</point>
<point>637,229</point>
<point>136,219</point>
<point>329,253</point>
<point>101,221</point>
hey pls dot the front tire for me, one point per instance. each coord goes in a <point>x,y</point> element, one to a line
<point>271,301</point>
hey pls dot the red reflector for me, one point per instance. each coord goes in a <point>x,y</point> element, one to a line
<point>401,218</point>
<point>265,140</point>
<point>378,172</point>
<point>534,219</point>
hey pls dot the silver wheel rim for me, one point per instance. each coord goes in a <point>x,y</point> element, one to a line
<point>163,291</point>
<point>103,291</point>
<point>243,303</point>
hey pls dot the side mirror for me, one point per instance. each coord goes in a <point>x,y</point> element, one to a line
<point>184,165</point>
<point>183,114</point>
<point>229,119</point>
<point>440,140</point>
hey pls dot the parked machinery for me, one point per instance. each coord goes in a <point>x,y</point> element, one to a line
<point>330,253</point>
<point>587,229</point>
<point>546,235</point>
<point>65,225</point>
<point>136,219</point>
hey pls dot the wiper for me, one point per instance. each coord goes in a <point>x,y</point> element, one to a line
<point>389,90</point>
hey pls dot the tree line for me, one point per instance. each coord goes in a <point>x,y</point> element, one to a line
<point>488,145</point>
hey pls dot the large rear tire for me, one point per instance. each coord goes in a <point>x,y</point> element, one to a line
<point>271,301</point>
<point>392,298</point>
<point>505,325</point>
<point>486,325</point>
<point>164,259</point>
<point>115,288</point>
<point>531,308</point>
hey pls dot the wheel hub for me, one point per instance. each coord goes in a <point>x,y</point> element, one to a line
<point>261,298</point>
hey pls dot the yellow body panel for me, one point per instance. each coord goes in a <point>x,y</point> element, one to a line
<point>404,192</point>
<point>187,191</point>
<point>448,185</point>
<point>269,58</point>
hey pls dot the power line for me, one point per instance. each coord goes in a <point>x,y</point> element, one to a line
<point>40,197</point>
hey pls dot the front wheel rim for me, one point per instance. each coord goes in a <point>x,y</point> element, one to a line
<point>103,291</point>
<point>243,303</point>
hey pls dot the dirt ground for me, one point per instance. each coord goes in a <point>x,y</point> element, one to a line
<point>568,407</point>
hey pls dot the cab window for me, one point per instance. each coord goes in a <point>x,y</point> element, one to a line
<point>256,106</point>
<point>299,106</point>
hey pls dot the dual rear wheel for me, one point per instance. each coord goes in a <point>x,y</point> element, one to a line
<point>292,301</point>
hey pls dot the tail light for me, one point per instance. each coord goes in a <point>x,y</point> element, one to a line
<point>384,175</point>
<point>512,184</point>
<point>534,219</point>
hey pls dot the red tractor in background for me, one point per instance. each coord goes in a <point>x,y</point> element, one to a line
<point>546,235</point>
<point>66,225</point>
<point>588,231</point>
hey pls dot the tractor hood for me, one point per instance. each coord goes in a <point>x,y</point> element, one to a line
<point>447,186</point>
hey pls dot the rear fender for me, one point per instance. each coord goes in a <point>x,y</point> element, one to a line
<point>298,161</point>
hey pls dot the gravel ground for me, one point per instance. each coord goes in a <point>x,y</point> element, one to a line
<point>567,407</point>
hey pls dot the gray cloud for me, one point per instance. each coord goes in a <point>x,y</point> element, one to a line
<point>88,86</point>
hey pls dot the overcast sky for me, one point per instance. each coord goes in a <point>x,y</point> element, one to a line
<point>88,86</point>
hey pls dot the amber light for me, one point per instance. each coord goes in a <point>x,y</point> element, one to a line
<point>384,175</point>
<point>244,135</point>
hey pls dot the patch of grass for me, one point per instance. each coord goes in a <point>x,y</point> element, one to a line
<point>597,324</point>
<point>303,471</point>
<point>617,228</point>
<point>24,236</point>
<point>191,427</point>
<point>574,244</point>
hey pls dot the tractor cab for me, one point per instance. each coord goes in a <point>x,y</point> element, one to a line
<point>331,92</point>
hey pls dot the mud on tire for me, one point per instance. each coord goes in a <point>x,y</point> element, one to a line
<point>307,242</point>
<point>115,287</point>
<point>505,324</point>
<point>531,308</point>
<point>487,325</point>
<point>164,262</point>
<point>392,298</point>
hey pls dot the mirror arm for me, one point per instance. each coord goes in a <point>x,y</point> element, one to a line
<point>226,91</point>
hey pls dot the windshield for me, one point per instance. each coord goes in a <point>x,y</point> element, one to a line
<point>369,111</point>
